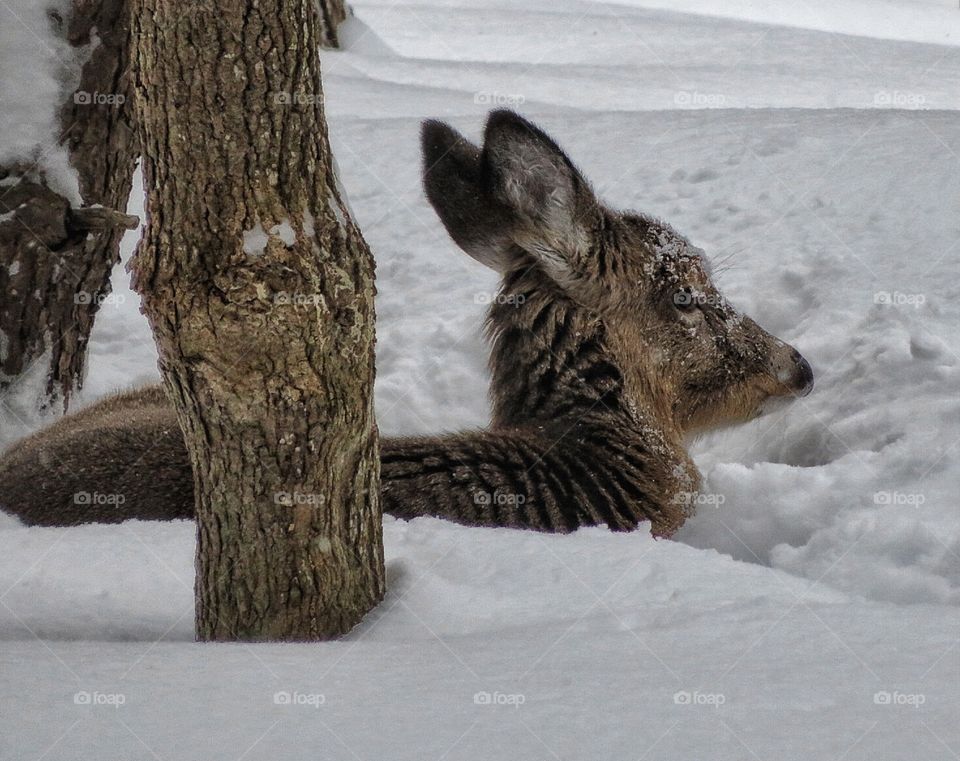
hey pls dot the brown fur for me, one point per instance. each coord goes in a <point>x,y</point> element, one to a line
<point>610,346</point>
<point>128,444</point>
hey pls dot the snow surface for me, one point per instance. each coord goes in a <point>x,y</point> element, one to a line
<point>810,608</point>
<point>935,21</point>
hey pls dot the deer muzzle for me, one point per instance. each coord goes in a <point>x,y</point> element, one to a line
<point>794,372</point>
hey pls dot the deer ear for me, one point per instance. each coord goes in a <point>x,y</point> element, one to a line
<point>552,208</point>
<point>453,184</point>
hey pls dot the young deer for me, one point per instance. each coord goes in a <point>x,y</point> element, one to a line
<point>610,346</point>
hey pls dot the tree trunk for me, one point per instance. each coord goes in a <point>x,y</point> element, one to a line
<point>55,261</point>
<point>259,289</point>
<point>332,14</point>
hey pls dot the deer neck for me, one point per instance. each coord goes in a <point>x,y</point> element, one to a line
<point>551,363</point>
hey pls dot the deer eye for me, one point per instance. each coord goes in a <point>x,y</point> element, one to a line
<point>685,301</point>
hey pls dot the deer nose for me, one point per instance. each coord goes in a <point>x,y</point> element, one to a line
<point>803,377</point>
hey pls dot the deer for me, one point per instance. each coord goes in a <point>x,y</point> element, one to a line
<point>610,349</point>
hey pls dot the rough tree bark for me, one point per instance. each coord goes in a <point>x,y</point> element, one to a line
<point>259,289</point>
<point>55,261</point>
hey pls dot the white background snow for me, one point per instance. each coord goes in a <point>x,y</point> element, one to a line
<point>814,149</point>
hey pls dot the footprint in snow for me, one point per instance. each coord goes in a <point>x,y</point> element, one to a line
<point>703,175</point>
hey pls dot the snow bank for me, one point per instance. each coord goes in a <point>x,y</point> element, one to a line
<point>932,21</point>
<point>462,59</point>
<point>490,643</point>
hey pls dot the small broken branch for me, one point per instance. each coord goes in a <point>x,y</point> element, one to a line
<point>98,218</point>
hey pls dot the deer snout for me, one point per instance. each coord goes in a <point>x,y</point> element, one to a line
<point>794,372</point>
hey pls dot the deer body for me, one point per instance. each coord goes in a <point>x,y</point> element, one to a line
<point>610,345</point>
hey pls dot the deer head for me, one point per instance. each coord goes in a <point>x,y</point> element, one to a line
<point>599,309</point>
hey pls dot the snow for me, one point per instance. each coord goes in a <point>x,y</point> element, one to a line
<point>284,230</point>
<point>256,238</point>
<point>809,608</point>
<point>934,21</point>
<point>36,63</point>
<point>586,645</point>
